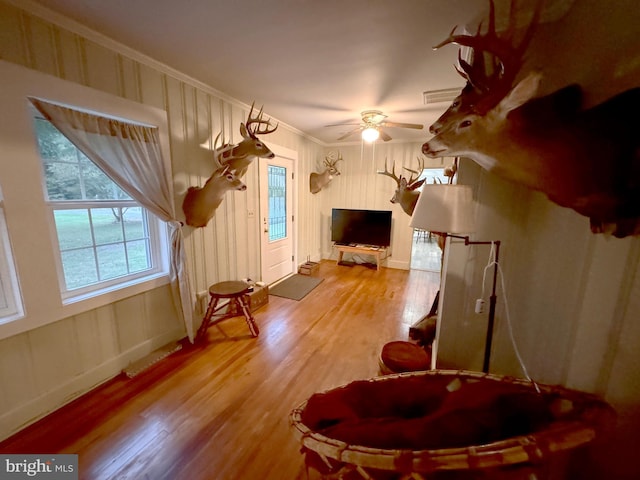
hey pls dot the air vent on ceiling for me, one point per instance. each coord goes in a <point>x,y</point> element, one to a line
<point>439,96</point>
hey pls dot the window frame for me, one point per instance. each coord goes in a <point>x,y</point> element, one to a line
<point>28,218</point>
<point>157,234</point>
<point>9,283</point>
<point>158,239</point>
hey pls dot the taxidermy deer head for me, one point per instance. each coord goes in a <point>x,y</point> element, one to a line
<point>406,193</point>
<point>586,160</point>
<point>200,204</point>
<point>239,157</point>
<point>317,181</point>
<point>489,77</point>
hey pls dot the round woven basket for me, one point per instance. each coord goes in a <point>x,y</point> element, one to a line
<point>578,421</point>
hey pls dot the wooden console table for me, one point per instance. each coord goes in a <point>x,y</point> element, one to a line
<point>378,252</point>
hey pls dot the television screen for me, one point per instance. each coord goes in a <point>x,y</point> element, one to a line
<point>362,227</point>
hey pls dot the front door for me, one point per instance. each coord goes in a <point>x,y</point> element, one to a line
<point>276,217</point>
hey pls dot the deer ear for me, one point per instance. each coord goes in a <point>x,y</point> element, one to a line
<point>243,131</point>
<point>524,91</point>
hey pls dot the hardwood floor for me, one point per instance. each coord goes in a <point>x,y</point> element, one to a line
<point>220,409</point>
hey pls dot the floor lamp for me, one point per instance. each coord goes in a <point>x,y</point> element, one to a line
<point>449,210</point>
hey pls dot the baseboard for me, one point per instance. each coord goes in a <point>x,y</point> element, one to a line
<point>33,410</point>
<point>400,265</point>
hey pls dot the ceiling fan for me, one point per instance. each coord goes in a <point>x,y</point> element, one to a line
<point>373,123</point>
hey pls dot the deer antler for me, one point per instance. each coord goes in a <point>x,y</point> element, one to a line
<point>451,170</point>
<point>391,174</point>
<point>256,122</point>
<point>219,152</point>
<point>331,161</point>
<point>506,60</point>
<point>415,172</point>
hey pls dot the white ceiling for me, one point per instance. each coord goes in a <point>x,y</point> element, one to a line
<point>309,62</point>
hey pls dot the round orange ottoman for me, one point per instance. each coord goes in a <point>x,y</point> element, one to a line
<point>398,357</point>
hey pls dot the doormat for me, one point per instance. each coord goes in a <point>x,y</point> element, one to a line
<point>295,287</point>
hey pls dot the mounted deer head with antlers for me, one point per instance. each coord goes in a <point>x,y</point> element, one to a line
<point>238,157</point>
<point>200,204</point>
<point>317,181</point>
<point>489,77</point>
<point>232,162</point>
<point>586,160</point>
<point>406,193</point>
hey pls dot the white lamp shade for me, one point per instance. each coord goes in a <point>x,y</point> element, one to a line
<point>445,208</point>
<point>370,134</point>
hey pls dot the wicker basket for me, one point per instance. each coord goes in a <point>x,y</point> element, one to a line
<point>583,417</point>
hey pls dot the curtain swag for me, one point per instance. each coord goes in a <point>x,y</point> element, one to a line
<point>130,155</point>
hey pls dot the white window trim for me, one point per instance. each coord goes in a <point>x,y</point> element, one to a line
<point>158,243</point>
<point>27,221</point>
<point>8,276</point>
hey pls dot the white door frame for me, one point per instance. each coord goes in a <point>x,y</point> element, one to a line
<point>293,156</point>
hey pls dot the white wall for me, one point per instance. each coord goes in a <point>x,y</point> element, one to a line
<point>573,297</point>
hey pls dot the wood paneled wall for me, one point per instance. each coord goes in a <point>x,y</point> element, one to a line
<point>572,296</point>
<point>359,186</point>
<point>45,368</point>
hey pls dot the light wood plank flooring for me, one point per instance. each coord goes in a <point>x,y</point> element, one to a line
<point>220,409</point>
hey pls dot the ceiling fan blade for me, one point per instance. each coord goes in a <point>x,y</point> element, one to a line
<point>384,135</point>
<point>342,124</point>
<point>417,126</point>
<point>348,134</point>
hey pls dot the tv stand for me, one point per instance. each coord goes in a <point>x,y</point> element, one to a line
<point>363,249</point>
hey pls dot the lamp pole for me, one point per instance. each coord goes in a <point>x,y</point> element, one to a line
<point>492,299</point>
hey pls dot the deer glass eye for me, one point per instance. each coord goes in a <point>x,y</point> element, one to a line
<point>455,104</point>
<point>465,123</point>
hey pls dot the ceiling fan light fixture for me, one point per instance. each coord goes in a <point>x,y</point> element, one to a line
<point>370,134</point>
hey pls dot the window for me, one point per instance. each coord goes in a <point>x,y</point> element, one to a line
<point>433,175</point>
<point>277,202</point>
<point>38,257</point>
<point>10,303</point>
<point>103,237</point>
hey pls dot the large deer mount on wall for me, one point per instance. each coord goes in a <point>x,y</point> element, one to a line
<point>317,181</point>
<point>232,162</point>
<point>238,157</point>
<point>584,159</point>
<point>407,192</point>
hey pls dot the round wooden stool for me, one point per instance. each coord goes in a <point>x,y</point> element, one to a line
<point>398,357</point>
<point>235,291</point>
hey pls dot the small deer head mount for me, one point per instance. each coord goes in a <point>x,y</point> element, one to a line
<point>317,181</point>
<point>406,193</point>
<point>200,203</point>
<point>586,160</point>
<point>238,157</point>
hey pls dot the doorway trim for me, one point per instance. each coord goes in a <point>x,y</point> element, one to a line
<point>293,156</point>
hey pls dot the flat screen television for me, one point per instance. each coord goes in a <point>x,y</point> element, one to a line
<point>362,227</point>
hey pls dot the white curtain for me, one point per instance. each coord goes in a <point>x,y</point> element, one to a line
<point>130,155</point>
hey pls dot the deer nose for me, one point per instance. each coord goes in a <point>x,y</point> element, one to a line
<point>425,148</point>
